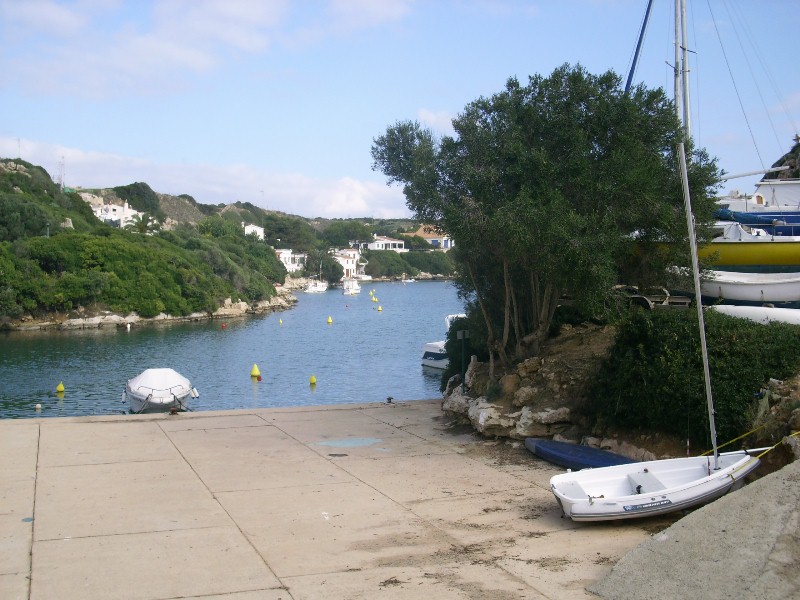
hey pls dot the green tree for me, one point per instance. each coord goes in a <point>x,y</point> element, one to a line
<point>143,223</point>
<point>547,189</point>
<point>339,234</point>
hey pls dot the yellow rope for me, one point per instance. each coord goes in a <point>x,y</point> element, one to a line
<point>735,439</point>
<point>776,445</point>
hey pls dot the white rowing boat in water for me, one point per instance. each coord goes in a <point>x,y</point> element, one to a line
<point>158,390</point>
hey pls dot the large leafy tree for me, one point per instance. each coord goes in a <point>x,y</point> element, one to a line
<point>550,189</point>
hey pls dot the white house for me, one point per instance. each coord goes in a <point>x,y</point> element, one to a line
<point>112,214</point>
<point>436,239</point>
<point>380,242</point>
<point>293,262</point>
<point>350,259</point>
<point>248,229</point>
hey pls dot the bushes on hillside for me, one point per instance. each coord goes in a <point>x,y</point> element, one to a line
<point>654,376</point>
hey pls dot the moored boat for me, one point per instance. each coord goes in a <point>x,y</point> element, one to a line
<point>741,248</point>
<point>316,287</point>
<point>779,289</point>
<point>350,287</point>
<point>434,354</point>
<point>158,390</point>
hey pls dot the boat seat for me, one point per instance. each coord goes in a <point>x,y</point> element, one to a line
<point>645,483</point>
<point>572,489</point>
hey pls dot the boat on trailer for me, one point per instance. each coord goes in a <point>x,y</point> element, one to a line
<point>159,390</point>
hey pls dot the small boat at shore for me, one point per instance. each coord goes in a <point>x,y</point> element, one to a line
<point>158,390</point>
<point>574,456</point>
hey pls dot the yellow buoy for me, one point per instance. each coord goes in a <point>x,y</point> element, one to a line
<point>254,372</point>
<point>380,308</point>
<point>330,320</point>
<point>60,387</point>
<point>312,380</point>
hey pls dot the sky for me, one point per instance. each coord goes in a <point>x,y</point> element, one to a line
<point>278,102</point>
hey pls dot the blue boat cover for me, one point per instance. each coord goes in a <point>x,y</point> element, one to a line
<point>574,456</point>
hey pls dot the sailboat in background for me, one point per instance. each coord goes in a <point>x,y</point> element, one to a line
<point>660,486</point>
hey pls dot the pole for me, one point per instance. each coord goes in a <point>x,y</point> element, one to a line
<point>462,334</point>
<point>698,301</point>
<point>638,46</point>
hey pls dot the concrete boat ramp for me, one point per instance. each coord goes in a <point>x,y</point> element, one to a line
<point>339,502</point>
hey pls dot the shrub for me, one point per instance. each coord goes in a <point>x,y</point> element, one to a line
<point>653,378</point>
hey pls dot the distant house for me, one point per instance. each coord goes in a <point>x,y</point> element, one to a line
<point>248,229</point>
<point>113,214</point>
<point>350,259</point>
<point>436,239</point>
<point>386,243</point>
<point>293,262</point>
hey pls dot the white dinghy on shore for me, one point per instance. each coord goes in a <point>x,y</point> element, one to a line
<point>650,488</point>
<point>158,390</point>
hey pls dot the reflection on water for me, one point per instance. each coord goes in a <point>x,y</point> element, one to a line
<point>364,355</point>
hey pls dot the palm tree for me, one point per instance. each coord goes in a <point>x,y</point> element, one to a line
<point>143,223</point>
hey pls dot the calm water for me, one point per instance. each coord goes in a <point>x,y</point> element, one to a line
<point>363,356</point>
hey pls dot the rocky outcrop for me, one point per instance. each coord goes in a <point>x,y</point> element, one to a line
<point>543,396</point>
<point>538,397</point>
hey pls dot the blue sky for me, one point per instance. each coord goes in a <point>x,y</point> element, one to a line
<point>277,102</point>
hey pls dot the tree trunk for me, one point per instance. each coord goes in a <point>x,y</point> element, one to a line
<point>490,342</point>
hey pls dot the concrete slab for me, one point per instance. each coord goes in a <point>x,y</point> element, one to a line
<point>253,458</point>
<point>112,499</point>
<point>149,566</point>
<point>408,479</point>
<point>16,537</point>
<point>80,443</point>
<point>14,586</point>
<point>562,563</point>
<point>206,420</point>
<point>330,528</point>
<point>252,504</point>
<point>435,579</point>
<point>355,435</point>
<point>484,518</point>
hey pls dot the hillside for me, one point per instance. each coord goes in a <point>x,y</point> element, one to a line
<point>56,257</point>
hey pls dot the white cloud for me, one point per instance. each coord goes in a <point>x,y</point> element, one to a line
<point>357,14</point>
<point>104,48</point>
<point>102,53</point>
<point>44,17</point>
<point>292,193</point>
<point>441,121</point>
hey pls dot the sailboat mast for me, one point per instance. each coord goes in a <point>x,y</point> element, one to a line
<point>687,202</point>
<point>682,108</point>
<point>687,125</point>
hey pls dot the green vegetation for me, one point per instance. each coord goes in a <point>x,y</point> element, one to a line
<point>654,376</point>
<point>55,256</point>
<point>553,188</point>
<point>48,266</point>
<point>140,197</point>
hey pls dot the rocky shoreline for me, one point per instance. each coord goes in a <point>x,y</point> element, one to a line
<point>543,397</point>
<point>83,319</point>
